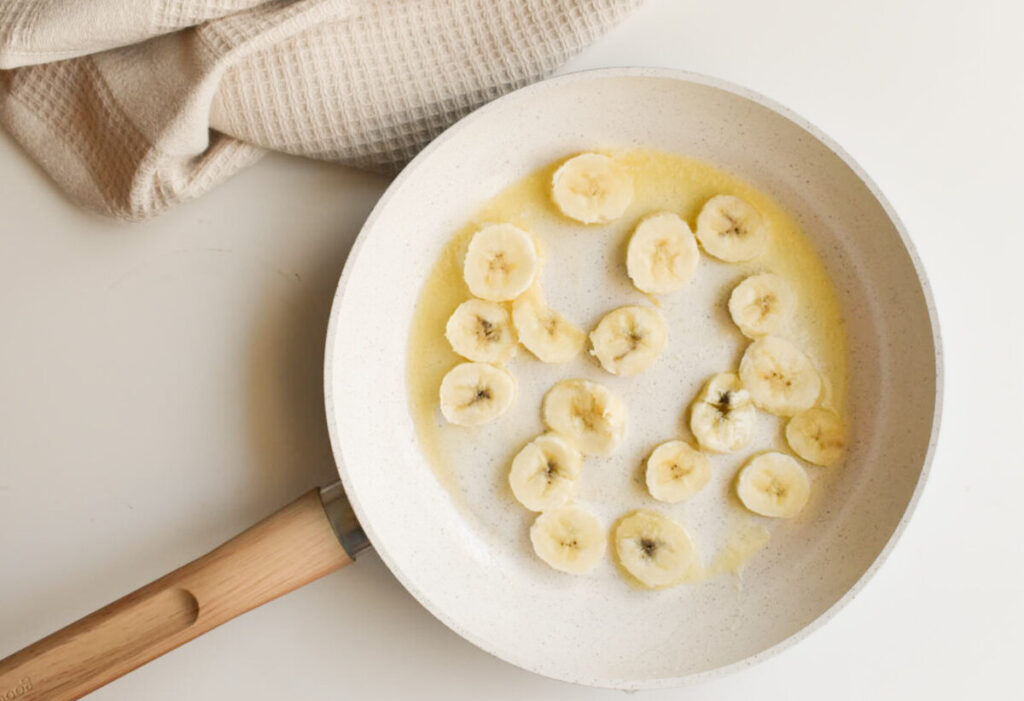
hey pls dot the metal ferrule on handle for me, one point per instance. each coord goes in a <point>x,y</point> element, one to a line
<point>343,520</point>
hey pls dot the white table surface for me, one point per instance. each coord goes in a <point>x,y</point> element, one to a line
<point>160,383</point>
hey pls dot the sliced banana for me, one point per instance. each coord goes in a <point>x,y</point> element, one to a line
<point>780,378</point>
<point>501,262</point>
<point>722,416</point>
<point>662,255</point>
<point>481,331</point>
<point>730,229</point>
<point>475,393</point>
<point>592,188</point>
<point>761,304</point>
<point>653,548</point>
<point>676,471</point>
<point>545,332</point>
<point>628,339</point>
<point>569,539</point>
<point>586,413</point>
<point>773,484</point>
<point>544,472</point>
<point>817,435</point>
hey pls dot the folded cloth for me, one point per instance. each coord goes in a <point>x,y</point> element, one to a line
<point>134,106</point>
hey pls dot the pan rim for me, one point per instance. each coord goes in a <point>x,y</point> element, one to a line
<point>759,99</point>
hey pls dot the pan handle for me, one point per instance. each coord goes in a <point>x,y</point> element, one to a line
<point>300,543</point>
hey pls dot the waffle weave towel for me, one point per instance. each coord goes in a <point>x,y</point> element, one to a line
<point>133,106</point>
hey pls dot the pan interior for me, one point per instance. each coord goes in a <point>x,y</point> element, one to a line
<point>609,634</point>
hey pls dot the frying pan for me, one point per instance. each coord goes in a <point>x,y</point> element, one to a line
<point>592,630</point>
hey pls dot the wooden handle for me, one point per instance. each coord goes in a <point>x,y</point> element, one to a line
<point>290,548</point>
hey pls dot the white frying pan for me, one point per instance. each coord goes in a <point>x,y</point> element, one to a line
<point>591,631</point>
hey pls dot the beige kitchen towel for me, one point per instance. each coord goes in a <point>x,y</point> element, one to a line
<point>134,105</point>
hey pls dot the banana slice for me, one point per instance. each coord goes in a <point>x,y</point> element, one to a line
<point>676,471</point>
<point>592,188</point>
<point>662,254</point>
<point>475,393</point>
<point>722,415</point>
<point>586,413</point>
<point>501,262</point>
<point>628,339</point>
<point>730,229</point>
<point>761,304</point>
<point>781,379</point>
<point>773,484</point>
<point>481,331</point>
<point>654,549</point>
<point>544,472</point>
<point>545,332</point>
<point>817,435</point>
<point>569,539</point>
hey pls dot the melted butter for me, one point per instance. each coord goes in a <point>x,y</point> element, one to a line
<point>525,203</point>
<point>683,185</point>
<point>743,542</point>
<point>662,182</point>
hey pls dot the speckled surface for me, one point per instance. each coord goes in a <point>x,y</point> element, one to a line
<point>569,628</point>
